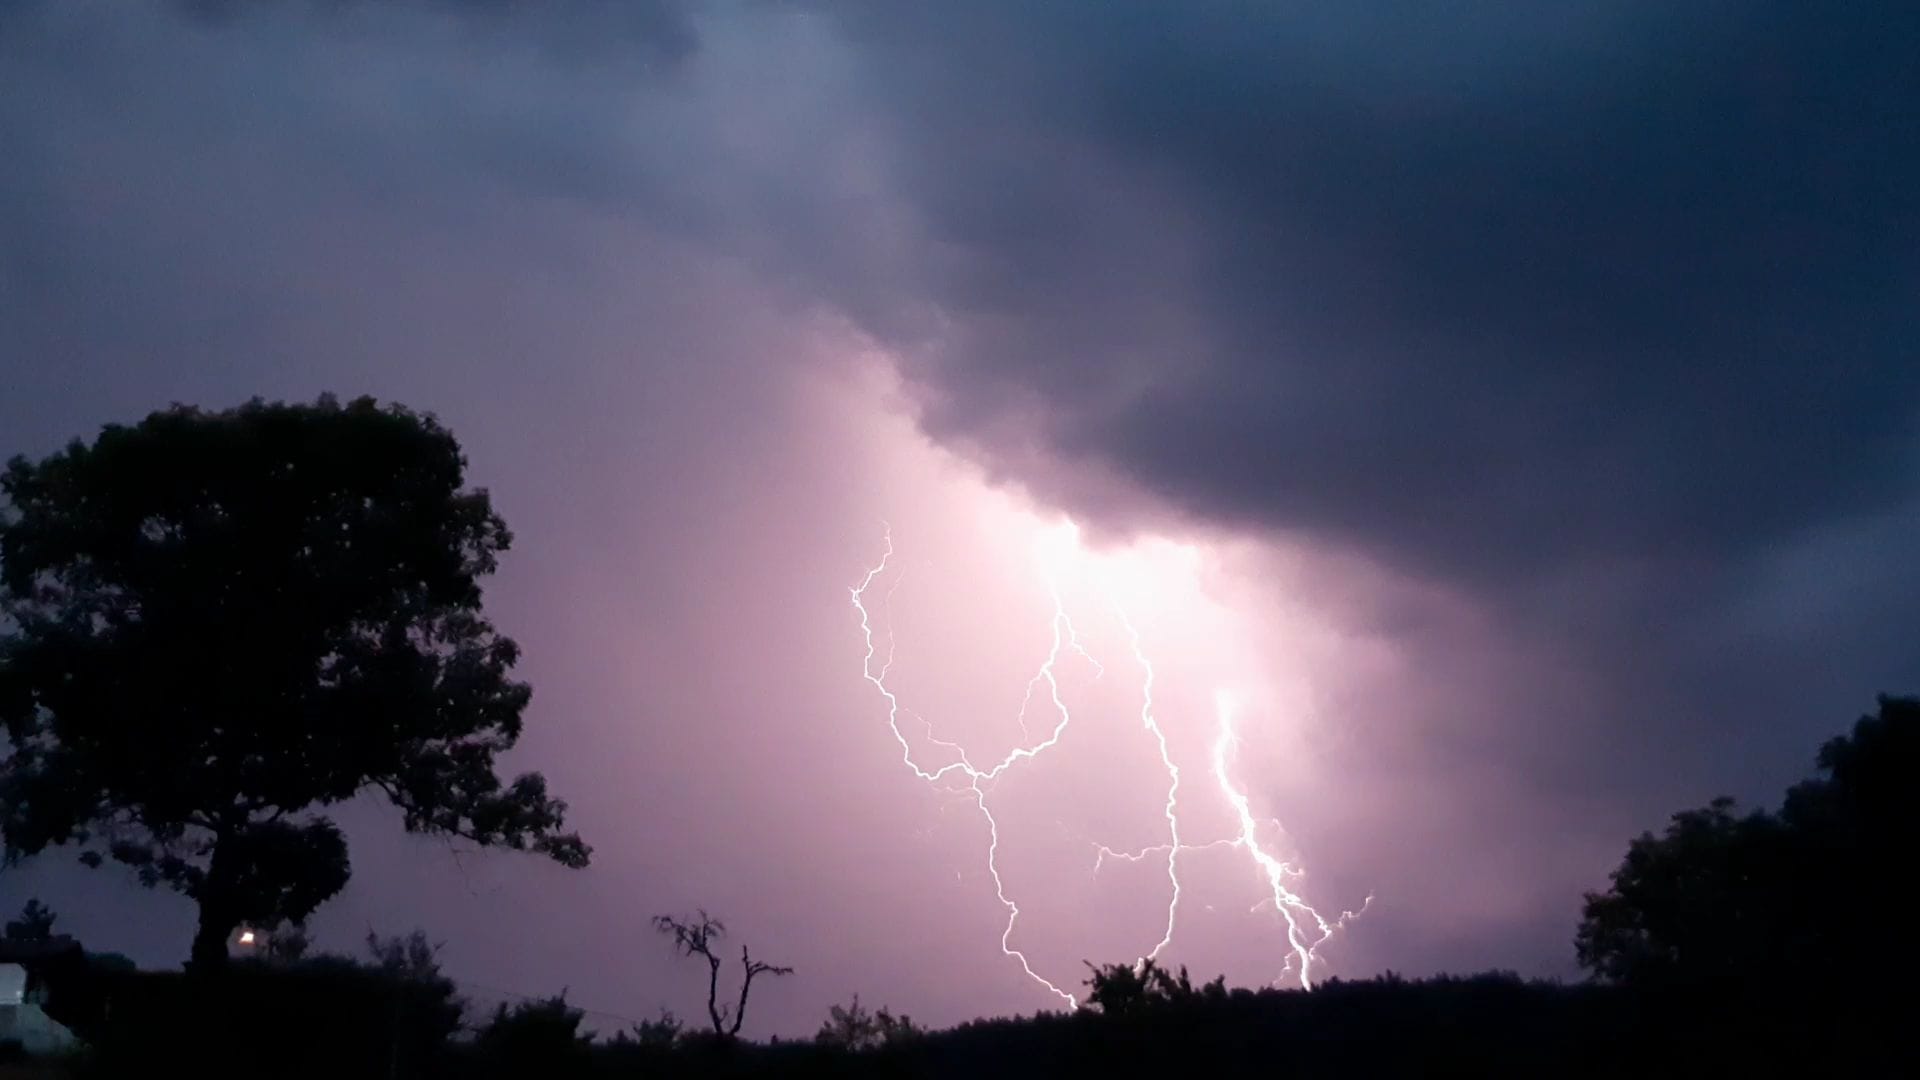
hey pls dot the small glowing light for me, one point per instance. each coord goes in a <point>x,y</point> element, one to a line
<point>246,937</point>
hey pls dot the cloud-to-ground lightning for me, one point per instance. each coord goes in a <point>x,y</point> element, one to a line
<point>975,777</point>
<point>1306,929</point>
<point>1173,779</point>
<point>1296,911</point>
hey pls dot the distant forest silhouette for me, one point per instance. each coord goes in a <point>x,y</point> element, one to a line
<point>216,625</point>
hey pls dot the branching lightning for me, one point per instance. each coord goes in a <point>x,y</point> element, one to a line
<point>976,778</point>
<point>1296,912</point>
<point>1306,929</point>
<point>1173,779</point>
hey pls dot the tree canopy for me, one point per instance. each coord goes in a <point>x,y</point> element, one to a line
<point>855,1027</point>
<point>1812,892</point>
<point>1124,989</point>
<point>213,625</point>
<point>34,924</point>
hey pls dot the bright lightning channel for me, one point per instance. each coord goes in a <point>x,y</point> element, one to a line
<point>976,777</point>
<point>1297,912</point>
<point>1307,930</point>
<point>1173,780</point>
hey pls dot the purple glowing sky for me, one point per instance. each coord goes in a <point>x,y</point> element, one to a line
<point>1512,510</point>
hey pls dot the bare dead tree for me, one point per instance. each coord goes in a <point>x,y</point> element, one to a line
<point>698,937</point>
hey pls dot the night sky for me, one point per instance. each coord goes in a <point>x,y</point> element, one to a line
<point>1512,410</point>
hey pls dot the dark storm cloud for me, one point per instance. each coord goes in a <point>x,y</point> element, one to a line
<point>631,30</point>
<point>1486,294</point>
<point>1599,316</point>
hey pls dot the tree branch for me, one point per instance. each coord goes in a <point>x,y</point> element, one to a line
<point>714,1012</point>
<point>752,967</point>
<point>696,938</point>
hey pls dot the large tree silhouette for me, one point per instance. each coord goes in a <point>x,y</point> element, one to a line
<point>1813,893</point>
<point>214,624</point>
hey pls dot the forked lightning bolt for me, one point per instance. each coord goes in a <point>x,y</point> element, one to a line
<point>1297,912</point>
<point>1307,930</point>
<point>962,766</point>
<point>1173,779</point>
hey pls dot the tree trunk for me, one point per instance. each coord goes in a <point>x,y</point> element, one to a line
<point>217,918</point>
<point>713,994</point>
<point>210,940</point>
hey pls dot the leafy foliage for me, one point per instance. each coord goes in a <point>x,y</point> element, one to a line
<point>1813,890</point>
<point>660,1032</point>
<point>533,1037</point>
<point>224,621</point>
<point>34,924</point>
<point>854,1027</point>
<point>409,956</point>
<point>288,944</point>
<point>1120,989</point>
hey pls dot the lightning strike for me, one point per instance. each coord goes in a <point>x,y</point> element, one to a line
<point>1102,852</point>
<point>1296,912</point>
<point>1306,929</point>
<point>1173,780</point>
<point>1063,633</point>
